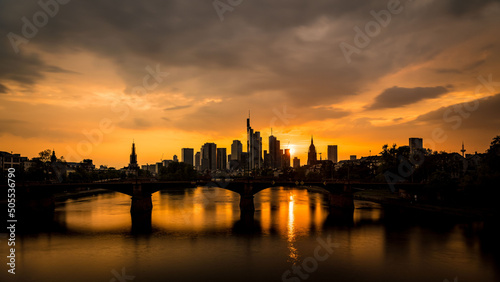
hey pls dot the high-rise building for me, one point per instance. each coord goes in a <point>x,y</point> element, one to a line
<point>236,150</point>
<point>175,158</point>
<point>187,155</point>
<point>332,153</point>
<point>209,156</point>
<point>353,157</point>
<point>133,158</point>
<point>416,144</point>
<point>221,158</point>
<point>286,159</point>
<point>254,147</point>
<point>312,158</point>
<point>197,161</point>
<point>296,162</point>
<point>275,156</point>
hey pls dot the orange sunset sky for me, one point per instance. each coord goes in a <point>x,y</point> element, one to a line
<point>82,83</point>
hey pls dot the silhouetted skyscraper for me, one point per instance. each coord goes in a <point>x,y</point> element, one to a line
<point>236,150</point>
<point>332,153</point>
<point>286,159</point>
<point>311,155</point>
<point>197,161</point>
<point>221,158</point>
<point>254,147</point>
<point>275,156</point>
<point>209,156</point>
<point>187,155</point>
<point>296,162</point>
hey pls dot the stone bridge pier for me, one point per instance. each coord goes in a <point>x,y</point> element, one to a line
<point>141,209</point>
<point>246,200</point>
<point>343,200</point>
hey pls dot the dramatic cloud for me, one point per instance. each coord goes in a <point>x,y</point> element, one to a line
<point>3,88</point>
<point>480,114</point>
<point>264,57</point>
<point>398,96</point>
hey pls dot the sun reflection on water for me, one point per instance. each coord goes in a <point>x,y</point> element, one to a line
<point>293,257</point>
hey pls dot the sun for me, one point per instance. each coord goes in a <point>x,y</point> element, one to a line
<point>292,150</point>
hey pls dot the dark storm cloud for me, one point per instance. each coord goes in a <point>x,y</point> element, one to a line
<point>260,46</point>
<point>3,88</point>
<point>460,7</point>
<point>480,114</point>
<point>398,96</point>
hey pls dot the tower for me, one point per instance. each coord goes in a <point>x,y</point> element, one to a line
<point>463,150</point>
<point>311,155</point>
<point>133,158</point>
<point>254,147</point>
<point>332,153</point>
<point>53,158</point>
<point>187,155</point>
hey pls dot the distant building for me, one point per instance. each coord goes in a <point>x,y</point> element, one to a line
<point>311,155</point>
<point>133,158</point>
<point>88,165</point>
<point>176,159</point>
<point>187,155</point>
<point>221,158</point>
<point>197,161</point>
<point>416,144</point>
<point>286,159</point>
<point>166,163</point>
<point>353,157</point>
<point>236,150</point>
<point>275,156</point>
<point>150,168</point>
<point>8,160</point>
<point>296,162</point>
<point>254,147</point>
<point>158,166</point>
<point>332,153</point>
<point>244,161</point>
<point>209,156</point>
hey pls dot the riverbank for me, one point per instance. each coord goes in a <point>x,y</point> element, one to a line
<point>392,200</point>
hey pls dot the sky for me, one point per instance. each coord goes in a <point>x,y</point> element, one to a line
<point>87,78</point>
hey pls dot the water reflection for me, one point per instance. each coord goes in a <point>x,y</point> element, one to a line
<point>294,255</point>
<point>200,232</point>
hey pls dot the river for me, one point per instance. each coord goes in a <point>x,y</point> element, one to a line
<point>197,234</point>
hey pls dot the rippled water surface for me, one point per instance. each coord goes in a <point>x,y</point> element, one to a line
<point>198,235</point>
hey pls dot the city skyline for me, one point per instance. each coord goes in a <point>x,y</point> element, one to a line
<point>289,148</point>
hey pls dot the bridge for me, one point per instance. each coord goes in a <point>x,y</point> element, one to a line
<point>39,198</point>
